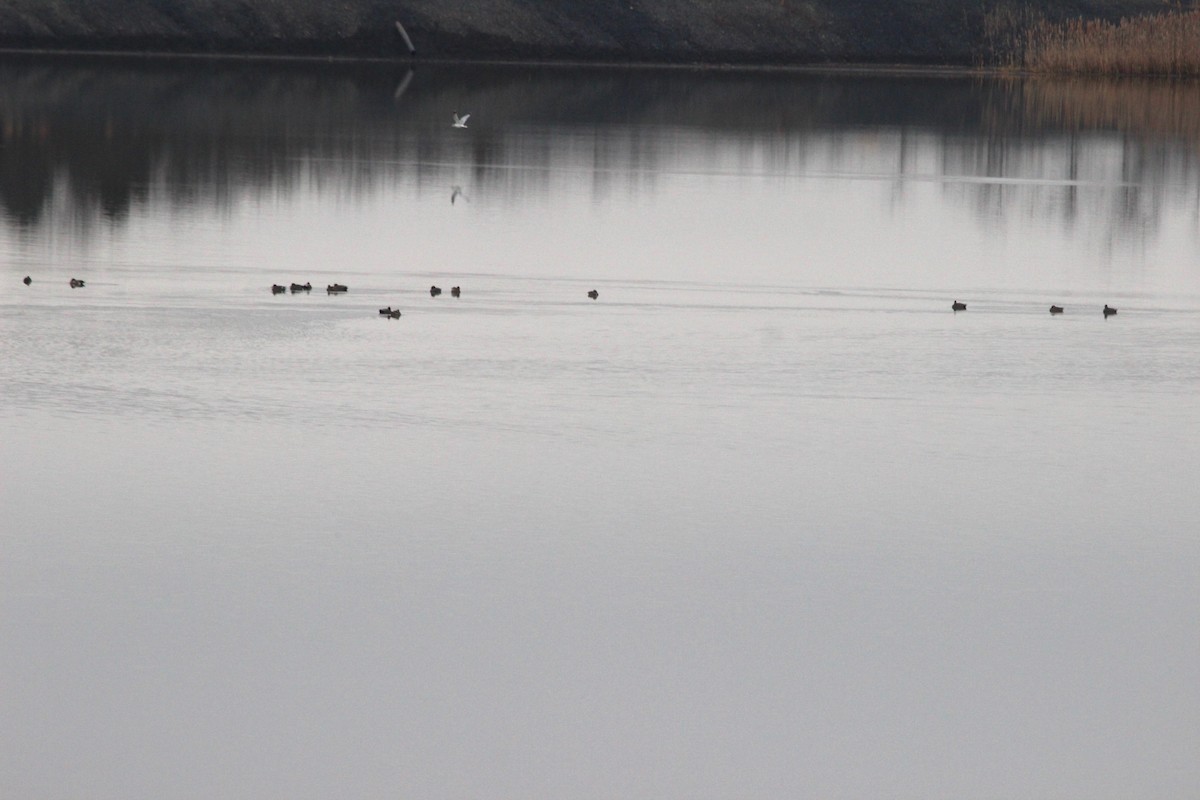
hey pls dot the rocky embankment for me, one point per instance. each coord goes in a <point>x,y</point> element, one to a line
<point>678,31</point>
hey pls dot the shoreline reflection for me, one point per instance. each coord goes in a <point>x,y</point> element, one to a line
<point>91,142</point>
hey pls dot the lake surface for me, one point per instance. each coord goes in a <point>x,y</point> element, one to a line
<point>764,520</point>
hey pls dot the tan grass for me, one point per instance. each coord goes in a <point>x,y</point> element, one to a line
<point>1161,44</point>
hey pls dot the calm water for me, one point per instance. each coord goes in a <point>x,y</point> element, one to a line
<point>765,520</point>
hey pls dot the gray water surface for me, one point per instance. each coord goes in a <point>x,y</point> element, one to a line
<point>766,519</point>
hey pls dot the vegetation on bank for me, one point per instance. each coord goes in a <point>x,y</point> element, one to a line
<point>1166,44</point>
<point>940,32</point>
<point>1043,36</point>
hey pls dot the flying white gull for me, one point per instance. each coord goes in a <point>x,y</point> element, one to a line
<point>461,122</point>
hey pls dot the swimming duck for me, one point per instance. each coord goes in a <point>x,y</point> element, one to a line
<point>593,294</point>
<point>957,306</point>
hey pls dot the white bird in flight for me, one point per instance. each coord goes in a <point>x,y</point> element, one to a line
<point>461,122</point>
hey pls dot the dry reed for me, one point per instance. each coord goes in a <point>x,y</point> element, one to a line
<point>1161,44</point>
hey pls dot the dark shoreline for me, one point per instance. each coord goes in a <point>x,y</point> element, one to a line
<point>17,55</point>
<point>608,62</point>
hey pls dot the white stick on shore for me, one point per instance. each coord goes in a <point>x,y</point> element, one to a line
<point>404,36</point>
